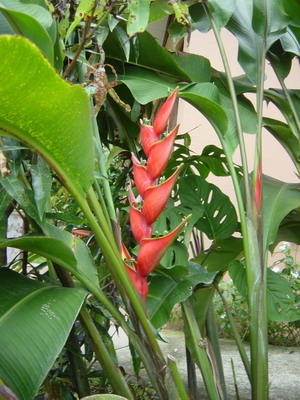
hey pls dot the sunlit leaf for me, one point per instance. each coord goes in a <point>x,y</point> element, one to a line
<point>55,118</point>
<point>28,20</point>
<point>146,86</point>
<point>139,11</point>
<point>162,62</point>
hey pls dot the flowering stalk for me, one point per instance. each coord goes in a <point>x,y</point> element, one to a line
<point>154,197</point>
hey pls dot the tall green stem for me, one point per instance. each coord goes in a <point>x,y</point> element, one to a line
<point>251,224</point>
<point>176,378</point>
<point>115,376</point>
<point>237,336</point>
<point>233,97</point>
<point>102,169</point>
<point>152,355</point>
<point>198,349</point>
<point>257,293</point>
<point>289,100</point>
<point>212,335</point>
<point>111,253</point>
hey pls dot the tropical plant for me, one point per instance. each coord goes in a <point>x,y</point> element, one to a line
<point>75,78</point>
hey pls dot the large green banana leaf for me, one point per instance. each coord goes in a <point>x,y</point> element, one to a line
<point>35,321</point>
<point>42,110</point>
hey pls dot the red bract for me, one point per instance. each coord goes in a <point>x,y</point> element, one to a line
<point>152,250</point>
<point>148,137</point>
<point>156,197</point>
<point>139,281</point>
<point>139,226</point>
<point>159,154</point>
<point>142,178</point>
<point>163,115</point>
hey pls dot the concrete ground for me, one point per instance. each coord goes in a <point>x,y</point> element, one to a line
<point>284,366</point>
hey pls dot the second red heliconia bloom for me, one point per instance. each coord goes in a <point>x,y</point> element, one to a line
<point>154,197</point>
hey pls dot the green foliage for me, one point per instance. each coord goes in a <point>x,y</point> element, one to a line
<point>219,219</point>
<point>30,309</point>
<point>31,21</point>
<point>111,62</point>
<point>279,333</point>
<point>281,300</point>
<point>280,198</point>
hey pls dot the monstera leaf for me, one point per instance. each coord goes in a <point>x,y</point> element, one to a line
<point>219,220</point>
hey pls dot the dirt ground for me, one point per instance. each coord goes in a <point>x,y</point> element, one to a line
<point>284,366</point>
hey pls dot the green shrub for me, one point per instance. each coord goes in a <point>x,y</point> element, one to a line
<point>280,333</point>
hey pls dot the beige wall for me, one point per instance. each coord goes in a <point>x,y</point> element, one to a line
<point>276,162</point>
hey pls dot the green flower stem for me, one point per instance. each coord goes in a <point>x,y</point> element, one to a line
<point>212,334</point>
<point>230,83</point>
<point>290,101</point>
<point>101,200</point>
<point>259,113</point>
<point>192,377</point>
<point>235,381</point>
<point>257,293</point>
<point>135,340</point>
<point>176,378</point>
<point>78,366</point>
<point>237,336</point>
<point>251,230</point>
<point>114,375</point>
<point>102,169</point>
<point>103,223</point>
<point>200,352</point>
<point>107,243</point>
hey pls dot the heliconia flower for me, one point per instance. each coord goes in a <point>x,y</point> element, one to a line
<point>258,187</point>
<point>159,154</point>
<point>139,226</point>
<point>152,250</point>
<point>139,281</point>
<point>163,115</point>
<point>156,197</point>
<point>148,136</point>
<point>142,178</point>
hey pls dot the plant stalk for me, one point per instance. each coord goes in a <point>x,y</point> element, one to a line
<point>289,100</point>
<point>176,378</point>
<point>102,169</point>
<point>114,375</point>
<point>107,243</point>
<point>199,350</point>
<point>237,336</point>
<point>192,377</point>
<point>78,368</point>
<point>212,335</point>
<point>233,97</point>
<point>257,293</point>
